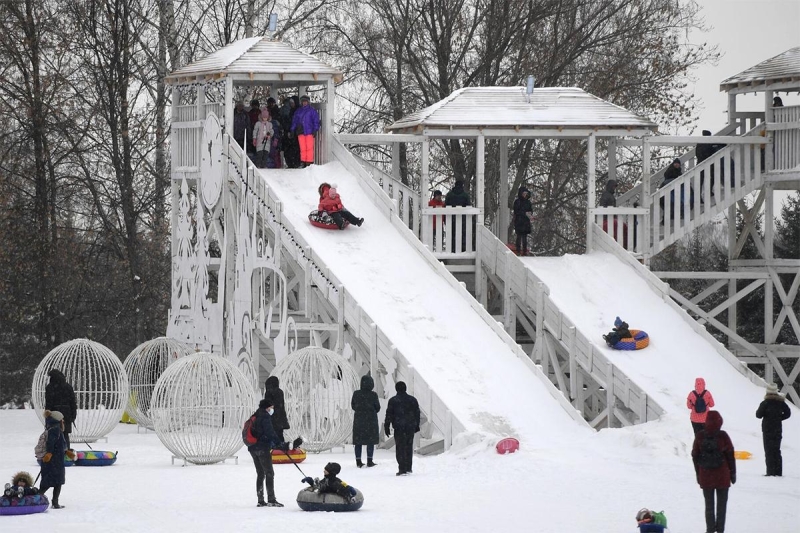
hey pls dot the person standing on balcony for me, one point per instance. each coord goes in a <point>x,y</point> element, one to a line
<point>262,139</point>
<point>777,102</point>
<point>241,123</point>
<point>254,114</point>
<point>523,211</point>
<point>305,125</point>
<point>458,197</point>
<point>608,198</point>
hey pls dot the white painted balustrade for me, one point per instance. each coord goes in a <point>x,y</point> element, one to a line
<point>786,136</point>
<point>449,232</point>
<point>624,224</point>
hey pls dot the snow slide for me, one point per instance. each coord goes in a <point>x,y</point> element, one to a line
<point>593,289</point>
<point>480,378</point>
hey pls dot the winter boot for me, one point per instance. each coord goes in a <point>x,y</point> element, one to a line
<point>261,502</point>
<point>274,503</point>
<point>359,464</point>
<point>370,463</point>
<point>56,505</point>
<point>360,221</point>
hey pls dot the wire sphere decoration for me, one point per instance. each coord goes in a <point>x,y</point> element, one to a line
<point>144,366</point>
<point>199,406</point>
<point>98,379</point>
<point>318,385</point>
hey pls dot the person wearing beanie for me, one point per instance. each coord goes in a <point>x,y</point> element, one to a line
<point>331,203</point>
<point>53,471</point>
<point>261,452</point>
<point>772,412</point>
<point>60,396</point>
<point>366,429</point>
<point>331,484</point>
<point>305,124</point>
<point>673,172</point>
<point>699,401</point>
<point>402,413</point>
<point>262,138</point>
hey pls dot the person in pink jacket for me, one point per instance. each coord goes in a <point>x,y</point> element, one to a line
<point>699,402</point>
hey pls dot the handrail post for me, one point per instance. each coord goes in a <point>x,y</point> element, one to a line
<point>590,176</point>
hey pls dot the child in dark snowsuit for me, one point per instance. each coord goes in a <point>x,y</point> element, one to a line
<point>332,484</point>
<point>619,331</point>
<point>21,485</point>
<point>331,203</point>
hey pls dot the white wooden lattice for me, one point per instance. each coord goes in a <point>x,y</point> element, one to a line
<point>144,366</point>
<point>100,383</point>
<point>318,385</point>
<point>199,405</point>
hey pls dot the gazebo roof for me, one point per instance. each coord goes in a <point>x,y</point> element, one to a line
<point>250,57</point>
<point>508,108</point>
<point>778,73</point>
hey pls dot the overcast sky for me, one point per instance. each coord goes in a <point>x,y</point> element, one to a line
<point>746,33</point>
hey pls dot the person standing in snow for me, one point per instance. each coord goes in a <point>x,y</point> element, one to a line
<point>523,211</point>
<point>699,402</point>
<point>53,472</point>
<point>403,414</point>
<point>274,396</point>
<point>715,468</point>
<point>772,412</point>
<point>261,452</point>
<point>60,396</point>
<point>305,124</point>
<point>366,407</point>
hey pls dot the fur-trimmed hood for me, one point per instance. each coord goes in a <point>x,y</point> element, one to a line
<point>22,475</point>
<point>774,396</point>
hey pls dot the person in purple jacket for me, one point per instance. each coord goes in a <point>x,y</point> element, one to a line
<point>305,124</point>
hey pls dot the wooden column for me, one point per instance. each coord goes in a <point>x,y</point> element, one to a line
<point>425,181</point>
<point>732,109</point>
<point>731,282</point>
<point>769,117</point>
<point>228,122</point>
<point>769,240</point>
<point>330,116</point>
<point>612,159</point>
<point>644,201</point>
<point>396,163</point>
<point>590,177</point>
<point>480,155</point>
<point>503,209</point>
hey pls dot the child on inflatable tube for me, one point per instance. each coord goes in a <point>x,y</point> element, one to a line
<point>332,484</point>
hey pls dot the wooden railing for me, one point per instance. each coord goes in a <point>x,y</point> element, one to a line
<point>559,341</point>
<point>786,137</point>
<point>624,225</point>
<point>406,198</point>
<point>687,161</point>
<point>449,232</point>
<point>704,191</point>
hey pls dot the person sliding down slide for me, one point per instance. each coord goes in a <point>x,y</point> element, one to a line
<point>331,203</point>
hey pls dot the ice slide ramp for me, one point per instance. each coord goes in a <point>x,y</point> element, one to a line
<point>485,381</point>
<point>592,289</point>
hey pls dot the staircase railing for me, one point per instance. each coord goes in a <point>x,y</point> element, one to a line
<point>787,137</point>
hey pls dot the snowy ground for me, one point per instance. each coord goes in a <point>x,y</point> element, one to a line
<point>595,485</point>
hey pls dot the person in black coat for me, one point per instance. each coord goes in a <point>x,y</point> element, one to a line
<point>59,396</point>
<point>458,197</point>
<point>261,453</point>
<point>608,198</point>
<point>53,461</point>
<point>772,412</point>
<point>366,407</point>
<point>330,484</point>
<point>274,395</point>
<point>402,413</point>
<point>673,172</point>
<point>522,210</point>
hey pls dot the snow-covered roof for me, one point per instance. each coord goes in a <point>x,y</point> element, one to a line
<point>257,55</point>
<point>782,69</point>
<point>508,107</point>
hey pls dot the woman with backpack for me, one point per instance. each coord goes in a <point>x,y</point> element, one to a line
<point>715,467</point>
<point>699,402</point>
<point>53,459</point>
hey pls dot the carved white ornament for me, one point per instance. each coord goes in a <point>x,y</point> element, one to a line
<point>199,405</point>
<point>98,379</point>
<point>318,385</point>
<point>211,161</point>
<point>144,366</point>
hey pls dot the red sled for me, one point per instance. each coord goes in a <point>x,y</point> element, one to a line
<point>507,445</point>
<point>323,220</point>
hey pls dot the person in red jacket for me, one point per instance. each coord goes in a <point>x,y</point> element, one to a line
<point>331,203</point>
<point>715,467</point>
<point>699,402</point>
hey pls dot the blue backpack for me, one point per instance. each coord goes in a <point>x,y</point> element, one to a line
<point>700,402</point>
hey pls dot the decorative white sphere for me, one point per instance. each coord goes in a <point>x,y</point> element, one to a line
<point>100,383</point>
<point>199,406</point>
<point>144,366</point>
<point>318,385</point>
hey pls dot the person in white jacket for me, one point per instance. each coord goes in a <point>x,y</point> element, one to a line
<point>262,137</point>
